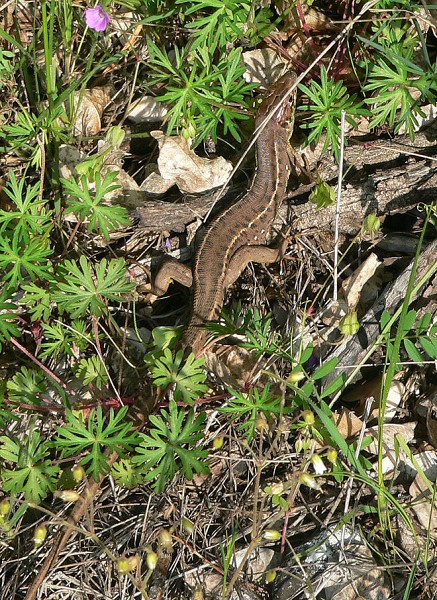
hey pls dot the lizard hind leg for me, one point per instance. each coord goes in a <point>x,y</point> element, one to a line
<point>258,254</point>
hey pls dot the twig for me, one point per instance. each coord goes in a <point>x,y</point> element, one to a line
<point>338,205</point>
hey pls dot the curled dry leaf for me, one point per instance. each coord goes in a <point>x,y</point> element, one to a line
<point>423,506</point>
<point>179,164</point>
<point>348,424</point>
<point>263,66</point>
<point>89,107</point>
<point>147,110</point>
<point>352,286</point>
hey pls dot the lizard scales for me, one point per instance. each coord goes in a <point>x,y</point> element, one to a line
<point>247,222</point>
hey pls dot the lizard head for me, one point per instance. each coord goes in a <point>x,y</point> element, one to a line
<point>280,100</point>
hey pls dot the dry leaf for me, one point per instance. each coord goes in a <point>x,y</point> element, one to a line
<point>353,285</point>
<point>372,389</point>
<point>263,66</point>
<point>147,110</point>
<point>424,509</point>
<point>347,423</point>
<point>179,164</point>
<point>89,107</point>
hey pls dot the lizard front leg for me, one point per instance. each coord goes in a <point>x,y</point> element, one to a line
<point>171,270</point>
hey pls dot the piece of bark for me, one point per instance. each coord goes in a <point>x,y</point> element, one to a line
<point>158,216</point>
<point>380,178</point>
<point>354,349</point>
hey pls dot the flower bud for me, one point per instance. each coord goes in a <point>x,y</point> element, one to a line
<point>218,442</point>
<point>188,525</point>
<point>349,324</point>
<point>5,507</point>
<point>318,464</point>
<point>126,565</point>
<point>261,423</point>
<point>332,456</point>
<point>68,495</point>
<point>309,481</point>
<point>308,417</point>
<point>39,536</point>
<point>152,560</point>
<point>165,540</point>
<point>270,576</point>
<point>296,376</point>
<point>272,535</point>
<point>78,473</point>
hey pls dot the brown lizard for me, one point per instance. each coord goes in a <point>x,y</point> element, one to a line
<point>239,234</point>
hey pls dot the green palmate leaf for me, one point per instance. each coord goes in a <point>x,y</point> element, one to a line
<point>185,377</point>
<point>125,474</point>
<point>19,260</point>
<point>98,434</point>
<point>250,406</point>
<point>395,81</point>
<point>84,288</point>
<point>169,446</point>
<point>58,339</point>
<point>26,386</point>
<point>92,370</point>
<point>29,216</point>
<point>201,94</point>
<point>37,301</point>
<point>89,206</point>
<point>33,473</point>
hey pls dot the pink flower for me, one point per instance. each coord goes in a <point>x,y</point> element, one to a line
<point>96,18</point>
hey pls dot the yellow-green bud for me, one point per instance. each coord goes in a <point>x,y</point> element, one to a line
<point>261,423</point>
<point>39,536</point>
<point>218,442</point>
<point>127,565</point>
<point>78,473</point>
<point>273,535</point>
<point>165,539</point>
<point>270,576</point>
<point>349,324</point>
<point>309,481</point>
<point>5,507</point>
<point>68,495</point>
<point>123,566</point>
<point>296,376</point>
<point>308,417</point>
<point>188,525</point>
<point>332,456</point>
<point>152,560</point>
